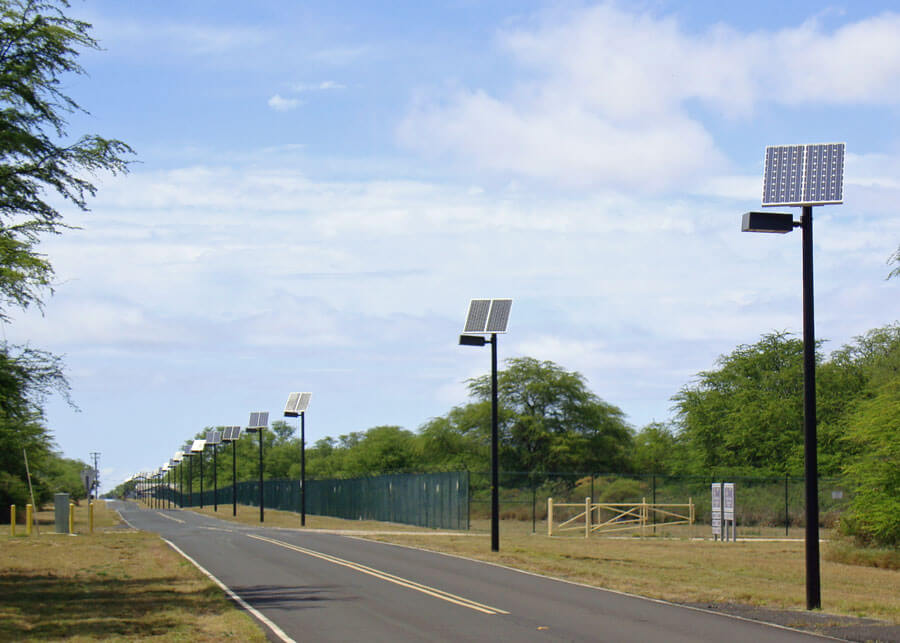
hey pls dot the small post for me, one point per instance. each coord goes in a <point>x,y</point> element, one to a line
<point>91,517</point>
<point>533,507</point>
<point>29,518</point>
<point>12,520</point>
<point>643,515</point>
<point>549,516</point>
<point>71,518</point>
<point>587,517</point>
<point>691,518</point>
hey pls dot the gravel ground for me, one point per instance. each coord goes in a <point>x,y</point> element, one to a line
<point>846,628</point>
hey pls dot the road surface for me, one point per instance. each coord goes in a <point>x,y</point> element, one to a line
<point>306,585</point>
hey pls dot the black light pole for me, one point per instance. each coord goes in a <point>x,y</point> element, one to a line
<point>297,404</point>
<point>262,515</point>
<point>782,223</point>
<point>200,455</point>
<point>259,420</point>
<point>215,478</point>
<point>476,340</point>
<point>234,477</point>
<point>813,588</point>
<point>181,483</point>
<point>190,480</point>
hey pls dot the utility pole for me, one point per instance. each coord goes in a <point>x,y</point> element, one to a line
<point>95,456</point>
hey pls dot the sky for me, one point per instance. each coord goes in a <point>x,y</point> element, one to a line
<point>320,188</point>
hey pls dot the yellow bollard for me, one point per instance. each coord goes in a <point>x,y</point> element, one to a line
<point>71,517</point>
<point>12,520</point>
<point>29,518</point>
<point>549,516</point>
<point>91,516</point>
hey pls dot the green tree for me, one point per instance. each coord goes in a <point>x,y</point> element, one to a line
<point>874,474</point>
<point>895,259</point>
<point>39,46</point>
<point>383,449</point>
<point>657,449</point>
<point>551,421</point>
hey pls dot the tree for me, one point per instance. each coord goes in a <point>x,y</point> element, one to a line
<point>551,421</point>
<point>39,45</point>
<point>895,259</point>
<point>657,449</point>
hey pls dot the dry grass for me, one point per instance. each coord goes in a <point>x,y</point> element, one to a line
<point>113,585</point>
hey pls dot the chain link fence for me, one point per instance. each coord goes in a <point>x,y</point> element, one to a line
<point>437,500</point>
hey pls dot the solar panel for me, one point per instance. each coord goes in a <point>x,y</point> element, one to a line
<point>213,437</point>
<point>488,316</point>
<point>499,317</point>
<point>297,403</point>
<point>231,433</point>
<point>478,314</point>
<point>258,420</point>
<point>804,174</point>
<point>179,456</point>
<point>198,446</point>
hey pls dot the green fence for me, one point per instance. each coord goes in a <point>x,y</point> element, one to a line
<point>762,502</point>
<point>438,500</point>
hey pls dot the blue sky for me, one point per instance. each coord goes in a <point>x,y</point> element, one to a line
<point>322,187</point>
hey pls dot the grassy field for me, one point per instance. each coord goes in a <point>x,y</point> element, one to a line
<point>761,573</point>
<point>115,584</point>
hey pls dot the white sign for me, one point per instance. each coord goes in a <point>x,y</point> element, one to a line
<point>728,509</point>
<point>716,509</point>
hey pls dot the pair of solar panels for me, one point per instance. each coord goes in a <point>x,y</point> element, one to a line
<point>258,421</point>
<point>213,437</point>
<point>198,446</point>
<point>488,316</point>
<point>803,175</point>
<point>230,433</point>
<point>297,403</point>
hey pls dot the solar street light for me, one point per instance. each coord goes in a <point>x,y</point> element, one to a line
<point>259,420</point>
<point>214,438</point>
<point>297,404</point>
<point>232,434</point>
<point>197,450</point>
<point>489,316</point>
<point>179,459</point>
<point>190,458</point>
<point>803,176</point>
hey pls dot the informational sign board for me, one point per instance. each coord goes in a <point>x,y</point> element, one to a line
<point>716,521</point>
<point>728,501</point>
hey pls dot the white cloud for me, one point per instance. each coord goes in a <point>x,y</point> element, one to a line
<point>325,85</point>
<point>282,104</point>
<point>607,96</point>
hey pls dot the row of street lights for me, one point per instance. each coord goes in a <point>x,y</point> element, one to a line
<point>150,484</point>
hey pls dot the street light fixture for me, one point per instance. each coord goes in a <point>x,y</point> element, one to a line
<point>259,420</point>
<point>489,317</point>
<point>803,176</point>
<point>296,405</point>
<point>232,434</point>
<point>214,438</point>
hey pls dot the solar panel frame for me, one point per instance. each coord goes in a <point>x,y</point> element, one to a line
<point>231,433</point>
<point>498,319</point>
<point>477,317</point>
<point>803,175</point>
<point>213,437</point>
<point>487,316</point>
<point>258,420</point>
<point>297,403</point>
<point>198,446</point>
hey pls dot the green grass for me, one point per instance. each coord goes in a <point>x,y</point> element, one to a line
<point>115,584</point>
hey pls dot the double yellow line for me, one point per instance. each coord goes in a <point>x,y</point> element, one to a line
<point>391,578</point>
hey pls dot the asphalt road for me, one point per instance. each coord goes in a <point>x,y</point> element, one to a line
<point>328,587</point>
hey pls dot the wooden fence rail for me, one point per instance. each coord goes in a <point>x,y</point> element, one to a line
<point>622,516</point>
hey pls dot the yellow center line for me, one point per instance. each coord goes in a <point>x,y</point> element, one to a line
<point>170,517</point>
<point>419,587</point>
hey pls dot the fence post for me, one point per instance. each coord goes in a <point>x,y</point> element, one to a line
<point>787,518</point>
<point>12,520</point>
<point>587,517</point>
<point>691,530</point>
<point>533,507</point>
<point>643,515</point>
<point>29,515</point>
<point>91,516</point>
<point>549,516</point>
